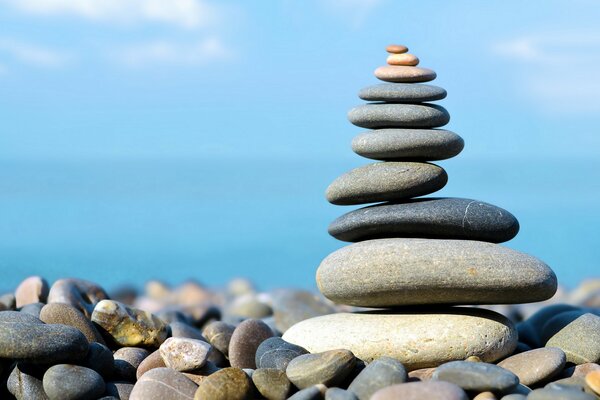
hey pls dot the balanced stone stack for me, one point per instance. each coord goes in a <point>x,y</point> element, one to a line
<point>416,258</point>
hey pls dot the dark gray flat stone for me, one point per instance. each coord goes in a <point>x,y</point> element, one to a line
<point>437,218</point>
<point>402,93</point>
<point>383,372</point>
<point>72,382</point>
<point>476,376</point>
<point>277,353</point>
<point>393,115</point>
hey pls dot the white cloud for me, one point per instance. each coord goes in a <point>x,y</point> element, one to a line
<point>30,54</point>
<point>355,11</point>
<point>189,14</point>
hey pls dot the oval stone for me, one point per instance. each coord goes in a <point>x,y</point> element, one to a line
<point>402,73</point>
<point>535,366</point>
<point>403,59</point>
<point>161,384</point>
<point>408,144</point>
<point>383,372</point>
<point>580,340</point>
<point>72,382</point>
<point>226,384</point>
<point>438,218</point>
<point>396,49</point>
<point>184,354</point>
<point>276,353</point>
<point>272,383</point>
<point>329,368</point>
<point>386,181</point>
<point>418,339</point>
<point>402,93</point>
<point>218,334</point>
<point>476,376</point>
<point>397,272</point>
<point>245,341</point>
<point>395,115</point>
<point>66,314</point>
<point>430,390</point>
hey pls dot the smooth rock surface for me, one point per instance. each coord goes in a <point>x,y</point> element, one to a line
<point>32,290</point>
<point>272,383</point>
<point>339,394</point>
<point>184,354</point>
<point>245,341</point>
<point>386,181</point>
<point>396,115</point>
<point>126,362</point>
<point>72,382</point>
<point>328,368</point>
<point>82,294</point>
<point>25,384</point>
<point>219,334</point>
<point>431,390</point>
<point>435,218</point>
<point>580,340</point>
<point>310,393</point>
<point>396,272</point>
<point>100,359</point>
<point>401,73</point>
<point>276,353</point>
<point>408,144</point>
<point>476,376</point>
<point>383,372</point>
<point>418,340</point>
<point>536,365</point>
<point>293,306</point>
<point>396,49</point>
<point>403,59</point>
<point>162,384</point>
<point>154,360</point>
<point>62,313</point>
<point>549,394</point>
<point>226,384</point>
<point>119,390</point>
<point>402,93</point>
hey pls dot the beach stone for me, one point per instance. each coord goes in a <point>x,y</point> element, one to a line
<point>219,334</point>
<point>10,317</point>
<point>396,49</point>
<point>478,377</point>
<point>550,394</point>
<point>100,359</point>
<point>32,309</point>
<point>32,290</point>
<point>129,326</point>
<point>403,59</point>
<point>25,384</point>
<point>185,330</point>
<point>418,339</point>
<point>339,394</point>
<point>422,374</point>
<point>383,372</point>
<point>431,390</point>
<point>79,293</point>
<point>485,396</point>
<point>402,73</point>
<point>580,370</point>
<point>183,354</point>
<point>66,314</point>
<point>408,144</point>
<point>226,384</point>
<point>126,362</point>
<point>292,306</point>
<point>395,272</point>
<point>162,384</point>
<point>119,390</point>
<point>436,218</point>
<point>248,306</point>
<point>8,302</point>
<point>272,383</point>
<point>535,366</point>
<point>245,340</point>
<point>558,322</point>
<point>72,382</point>
<point>402,93</point>
<point>276,353</point>
<point>573,383</point>
<point>396,115</point>
<point>514,396</point>
<point>41,343</point>
<point>592,379</point>
<point>386,181</point>
<point>154,360</point>
<point>530,330</point>
<point>580,340</point>
<point>316,392</point>
<point>328,367</point>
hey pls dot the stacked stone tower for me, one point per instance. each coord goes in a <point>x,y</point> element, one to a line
<point>416,258</point>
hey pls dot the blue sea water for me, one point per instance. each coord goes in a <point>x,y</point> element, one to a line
<point>126,221</point>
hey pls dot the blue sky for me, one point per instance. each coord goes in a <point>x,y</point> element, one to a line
<point>117,81</point>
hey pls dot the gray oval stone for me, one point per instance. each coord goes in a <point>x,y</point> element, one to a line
<point>328,368</point>
<point>580,340</point>
<point>550,394</point>
<point>25,384</point>
<point>218,334</point>
<point>402,93</point>
<point>476,376</point>
<point>161,384</point>
<point>272,383</point>
<point>386,181</point>
<point>277,353</point>
<point>72,382</point>
<point>418,339</point>
<point>437,218</point>
<point>383,372</point>
<point>391,115</point>
<point>408,144</point>
<point>396,272</point>
<point>535,366</point>
<point>430,390</point>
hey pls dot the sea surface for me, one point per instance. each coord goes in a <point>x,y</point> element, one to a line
<point>126,221</point>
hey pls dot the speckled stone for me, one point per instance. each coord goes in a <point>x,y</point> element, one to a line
<point>226,384</point>
<point>558,322</point>
<point>580,340</point>
<point>32,290</point>
<point>328,367</point>
<point>408,144</point>
<point>127,361</point>
<point>395,272</point>
<point>277,353</point>
<point>79,293</point>
<point>339,394</point>
<point>129,326</point>
<point>402,93</point>
<point>272,383</point>
<point>119,390</point>
<point>185,330</point>
<point>219,334</point>
<point>402,73</point>
<point>386,181</point>
<point>245,341</point>
<point>62,313</point>
<point>549,394</point>
<point>25,384</point>
<point>536,365</point>
<point>593,381</point>
<point>419,339</point>
<point>580,370</point>
<point>184,354</point>
<point>478,376</point>
<point>396,115</point>
<point>431,390</point>
<point>154,360</point>
<point>293,306</point>
<point>436,218</point>
<point>383,372</point>
<point>310,393</point>
<point>396,49</point>
<point>72,382</point>
<point>403,59</point>
<point>162,384</point>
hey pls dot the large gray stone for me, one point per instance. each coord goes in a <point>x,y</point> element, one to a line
<point>408,144</point>
<point>72,382</point>
<point>397,272</point>
<point>419,339</point>
<point>580,340</point>
<point>439,218</point>
<point>477,376</point>
<point>391,115</point>
<point>383,372</point>
<point>386,181</point>
<point>402,93</point>
<point>535,366</point>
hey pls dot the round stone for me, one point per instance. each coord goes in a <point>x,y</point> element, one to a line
<point>403,59</point>
<point>66,314</point>
<point>329,368</point>
<point>277,353</point>
<point>219,334</point>
<point>436,218</point>
<point>161,384</point>
<point>396,115</point>
<point>419,339</point>
<point>536,365</point>
<point>386,181</point>
<point>408,144</point>
<point>383,372</point>
<point>72,382</point>
<point>81,294</point>
<point>184,354</point>
<point>154,360</point>
<point>402,73</point>
<point>580,340</point>
<point>430,390</point>
<point>398,272</point>
<point>272,383</point>
<point>402,93</point>
<point>396,49</point>
<point>32,290</point>
<point>476,376</point>
<point>226,384</point>
<point>127,361</point>
<point>245,341</point>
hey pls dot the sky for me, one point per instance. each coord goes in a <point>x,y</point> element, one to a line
<point>125,120</point>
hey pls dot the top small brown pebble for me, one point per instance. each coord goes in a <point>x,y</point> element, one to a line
<point>396,49</point>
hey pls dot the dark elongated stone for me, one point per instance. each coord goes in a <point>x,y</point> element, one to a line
<point>72,382</point>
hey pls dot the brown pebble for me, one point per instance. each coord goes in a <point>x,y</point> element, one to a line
<point>580,370</point>
<point>162,384</point>
<point>403,59</point>
<point>245,340</point>
<point>154,360</point>
<point>593,381</point>
<point>32,290</point>
<point>535,366</point>
<point>431,390</point>
<point>401,73</point>
<point>423,374</point>
<point>396,49</point>
<point>66,314</point>
<point>226,384</point>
